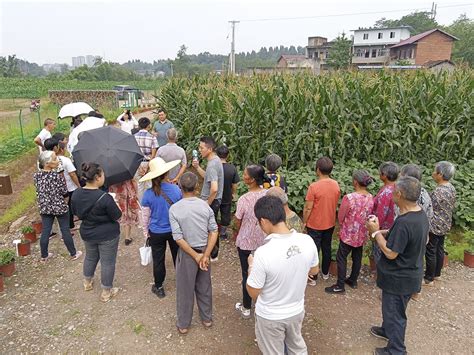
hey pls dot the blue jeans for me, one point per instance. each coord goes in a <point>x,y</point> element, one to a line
<point>395,321</point>
<point>106,252</point>
<point>63,220</point>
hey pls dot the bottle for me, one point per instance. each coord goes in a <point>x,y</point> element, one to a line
<point>195,155</point>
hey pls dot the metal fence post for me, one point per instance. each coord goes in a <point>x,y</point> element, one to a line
<point>39,118</point>
<point>21,128</point>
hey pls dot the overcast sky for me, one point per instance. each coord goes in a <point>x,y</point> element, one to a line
<point>55,31</point>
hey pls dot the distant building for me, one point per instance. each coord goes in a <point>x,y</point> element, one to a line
<point>88,60</point>
<point>50,68</point>
<point>371,46</point>
<point>318,50</point>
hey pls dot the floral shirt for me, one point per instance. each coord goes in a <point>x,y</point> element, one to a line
<point>384,208</point>
<point>250,235</point>
<point>443,198</point>
<point>293,221</point>
<point>353,213</point>
<point>50,190</point>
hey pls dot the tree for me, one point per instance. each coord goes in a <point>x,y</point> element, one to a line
<point>419,21</point>
<point>463,29</point>
<point>340,53</point>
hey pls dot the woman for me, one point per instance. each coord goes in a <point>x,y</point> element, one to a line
<point>156,203</point>
<point>443,199</point>
<point>126,193</point>
<point>52,193</point>
<point>127,122</point>
<point>353,212</point>
<point>99,229</point>
<point>249,234</point>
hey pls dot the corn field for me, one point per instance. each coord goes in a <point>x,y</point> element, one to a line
<point>417,116</point>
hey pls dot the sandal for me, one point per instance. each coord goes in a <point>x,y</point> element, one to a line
<point>43,260</point>
<point>207,324</point>
<point>183,331</point>
<point>77,256</point>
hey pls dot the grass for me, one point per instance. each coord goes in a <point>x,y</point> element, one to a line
<point>25,201</point>
<point>455,244</point>
<point>136,327</point>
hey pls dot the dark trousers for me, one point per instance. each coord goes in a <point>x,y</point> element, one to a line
<point>106,253</point>
<point>322,239</point>
<point>225,211</point>
<point>158,251</point>
<point>215,208</point>
<point>434,256</point>
<point>244,265</point>
<point>395,321</point>
<point>341,258</point>
<point>63,220</point>
<point>71,215</point>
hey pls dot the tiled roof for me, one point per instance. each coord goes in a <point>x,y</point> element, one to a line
<point>416,38</point>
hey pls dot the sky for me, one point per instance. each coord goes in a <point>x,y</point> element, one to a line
<point>55,31</point>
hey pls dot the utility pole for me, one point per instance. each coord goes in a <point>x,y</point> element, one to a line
<point>232,49</point>
<point>433,10</point>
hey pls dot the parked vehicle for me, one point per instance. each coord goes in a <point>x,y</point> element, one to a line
<point>123,90</point>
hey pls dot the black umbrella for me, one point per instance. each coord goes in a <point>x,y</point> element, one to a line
<point>116,151</point>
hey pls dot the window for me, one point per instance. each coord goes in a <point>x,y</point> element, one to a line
<point>367,53</point>
<point>392,34</point>
<point>366,36</point>
<point>410,53</point>
<point>380,35</point>
<point>327,54</point>
<point>381,53</point>
<point>374,53</point>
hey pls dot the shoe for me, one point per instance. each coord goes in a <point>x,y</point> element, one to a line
<point>88,285</point>
<point>77,256</point>
<point>182,331</point>
<point>244,312</point>
<point>350,283</point>
<point>311,281</point>
<point>128,241</point>
<point>381,351</point>
<point>107,294</point>
<point>378,332</point>
<point>437,278</point>
<point>334,289</point>
<point>326,276</point>
<point>428,283</point>
<point>159,291</point>
<point>213,260</point>
<point>43,260</point>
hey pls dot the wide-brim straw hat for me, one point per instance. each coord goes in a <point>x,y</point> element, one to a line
<point>158,167</point>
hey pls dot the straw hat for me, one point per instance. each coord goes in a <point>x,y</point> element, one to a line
<point>158,167</point>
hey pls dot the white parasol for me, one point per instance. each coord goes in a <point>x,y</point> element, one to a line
<point>74,109</point>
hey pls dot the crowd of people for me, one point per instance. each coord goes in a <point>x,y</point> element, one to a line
<point>278,250</point>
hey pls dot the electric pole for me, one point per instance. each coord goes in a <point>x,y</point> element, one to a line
<point>433,10</point>
<point>232,49</point>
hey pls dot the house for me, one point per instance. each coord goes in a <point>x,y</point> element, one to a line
<point>371,46</point>
<point>294,62</point>
<point>318,49</point>
<point>430,46</point>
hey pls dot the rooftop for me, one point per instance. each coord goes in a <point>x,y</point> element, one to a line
<point>416,38</point>
<point>383,28</point>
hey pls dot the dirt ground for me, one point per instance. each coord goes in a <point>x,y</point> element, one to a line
<point>44,309</point>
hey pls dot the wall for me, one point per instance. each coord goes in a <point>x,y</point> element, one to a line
<point>436,46</point>
<point>95,98</point>
<point>400,35</point>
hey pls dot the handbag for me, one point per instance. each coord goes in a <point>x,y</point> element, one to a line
<point>145,254</point>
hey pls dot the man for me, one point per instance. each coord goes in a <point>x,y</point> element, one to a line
<point>277,280</point>
<point>95,120</point>
<point>213,184</point>
<point>45,133</point>
<point>231,179</point>
<point>400,268</point>
<point>161,126</point>
<point>148,145</point>
<point>194,229</point>
<point>171,151</point>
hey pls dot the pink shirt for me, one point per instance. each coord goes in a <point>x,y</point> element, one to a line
<point>353,213</point>
<point>384,207</point>
<point>250,235</point>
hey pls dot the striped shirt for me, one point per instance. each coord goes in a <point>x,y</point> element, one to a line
<point>146,141</point>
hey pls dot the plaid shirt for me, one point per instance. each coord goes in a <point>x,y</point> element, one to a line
<point>146,141</point>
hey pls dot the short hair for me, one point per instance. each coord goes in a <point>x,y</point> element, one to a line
<point>362,177</point>
<point>390,170</point>
<point>256,172</point>
<point>144,122</point>
<point>89,171</point>
<point>48,121</point>
<point>172,134</point>
<point>161,110</point>
<point>446,169</point>
<point>270,208</point>
<point>96,114</point>
<point>209,142</point>
<point>412,170</point>
<point>273,162</point>
<point>277,191</point>
<point>44,158</point>
<point>222,151</point>
<point>188,181</point>
<point>325,165</point>
<point>59,136</point>
<point>51,143</point>
<point>409,187</point>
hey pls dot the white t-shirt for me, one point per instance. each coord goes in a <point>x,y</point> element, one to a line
<point>68,168</point>
<point>127,126</point>
<point>43,135</point>
<point>88,124</point>
<point>280,269</point>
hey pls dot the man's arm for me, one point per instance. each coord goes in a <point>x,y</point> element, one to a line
<point>188,250</point>
<point>180,172</point>
<point>308,207</point>
<point>314,270</point>
<point>74,178</point>
<point>253,292</point>
<point>153,152</point>
<point>213,192</point>
<point>211,241</point>
<point>198,168</point>
<point>37,141</point>
<point>382,242</point>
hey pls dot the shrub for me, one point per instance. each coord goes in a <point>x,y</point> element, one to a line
<point>6,256</point>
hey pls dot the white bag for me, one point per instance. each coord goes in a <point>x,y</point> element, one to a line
<point>145,255</point>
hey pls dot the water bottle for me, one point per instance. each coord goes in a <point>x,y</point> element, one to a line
<point>195,155</point>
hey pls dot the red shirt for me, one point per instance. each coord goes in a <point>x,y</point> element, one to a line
<point>325,195</point>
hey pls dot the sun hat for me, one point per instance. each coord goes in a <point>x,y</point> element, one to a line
<point>158,167</point>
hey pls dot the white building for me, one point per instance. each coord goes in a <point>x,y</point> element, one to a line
<point>371,45</point>
<point>90,60</point>
<point>78,61</point>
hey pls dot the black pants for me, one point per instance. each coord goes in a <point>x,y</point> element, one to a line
<point>341,258</point>
<point>244,265</point>
<point>215,208</point>
<point>322,239</point>
<point>225,214</point>
<point>434,256</point>
<point>71,215</point>
<point>158,251</point>
<point>395,321</point>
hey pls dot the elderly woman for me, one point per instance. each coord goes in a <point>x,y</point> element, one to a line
<point>293,221</point>
<point>52,193</point>
<point>443,198</point>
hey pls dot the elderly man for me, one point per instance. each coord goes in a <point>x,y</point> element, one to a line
<point>171,151</point>
<point>148,145</point>
<point>400,269</point>
<point>194,229</point>
<point>293,221</point>
<point>161,126</point>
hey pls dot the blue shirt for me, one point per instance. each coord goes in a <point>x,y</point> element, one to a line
<point>159,216</point>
